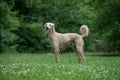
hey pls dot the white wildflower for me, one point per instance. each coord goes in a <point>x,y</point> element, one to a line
<point>69,73</point>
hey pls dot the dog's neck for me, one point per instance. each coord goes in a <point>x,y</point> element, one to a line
<point>52,32</point>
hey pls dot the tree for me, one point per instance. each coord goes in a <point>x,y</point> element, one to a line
<point>107,24</point>
<point>8,22</point>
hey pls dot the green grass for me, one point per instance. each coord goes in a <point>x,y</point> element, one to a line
<point>26,66</point>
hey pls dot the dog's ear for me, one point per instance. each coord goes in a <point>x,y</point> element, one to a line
<point>52,24</point>
<point>45,24</point>
<point>53,27</point>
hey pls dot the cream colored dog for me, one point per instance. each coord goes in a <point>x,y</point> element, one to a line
<point>59,40</point>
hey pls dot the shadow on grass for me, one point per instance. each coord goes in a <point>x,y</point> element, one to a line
<point>103,54</point>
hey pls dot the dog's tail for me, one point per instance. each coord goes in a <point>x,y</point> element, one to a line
<point>84,30</point>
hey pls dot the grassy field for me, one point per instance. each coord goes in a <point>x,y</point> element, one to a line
<point>26,66</point>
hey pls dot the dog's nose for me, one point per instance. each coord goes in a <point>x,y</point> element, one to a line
<point>47,28</point>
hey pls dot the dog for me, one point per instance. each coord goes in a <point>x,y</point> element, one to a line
<point>59,40</point>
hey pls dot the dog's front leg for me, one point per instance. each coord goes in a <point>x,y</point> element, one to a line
<point>56,51</point>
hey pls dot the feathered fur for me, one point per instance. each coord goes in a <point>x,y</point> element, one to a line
<point>60,41</point>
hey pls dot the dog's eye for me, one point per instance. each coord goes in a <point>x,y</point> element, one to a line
<point>49,24</point>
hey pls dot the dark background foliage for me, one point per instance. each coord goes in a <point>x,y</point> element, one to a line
<point>22,21</point>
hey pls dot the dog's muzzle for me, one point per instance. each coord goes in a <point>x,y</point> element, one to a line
<point>47,29</point>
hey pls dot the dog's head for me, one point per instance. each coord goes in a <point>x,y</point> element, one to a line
<point>49,27</point>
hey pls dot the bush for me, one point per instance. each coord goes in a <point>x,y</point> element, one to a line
<point>8,22</point>
<point>31,38</point>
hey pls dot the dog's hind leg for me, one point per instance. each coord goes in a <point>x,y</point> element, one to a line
<point>79,51</point>
<point>79,56</point>
<point>82,54</point>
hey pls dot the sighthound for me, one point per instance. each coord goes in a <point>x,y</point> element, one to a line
<point>59,40</point>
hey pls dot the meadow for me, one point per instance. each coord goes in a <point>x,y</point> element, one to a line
<point>37,66</point>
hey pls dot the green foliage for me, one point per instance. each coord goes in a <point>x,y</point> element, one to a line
<point>8,22</point>
<point>108,23</point>
<point>21,23</point>
<point>31,38</point>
